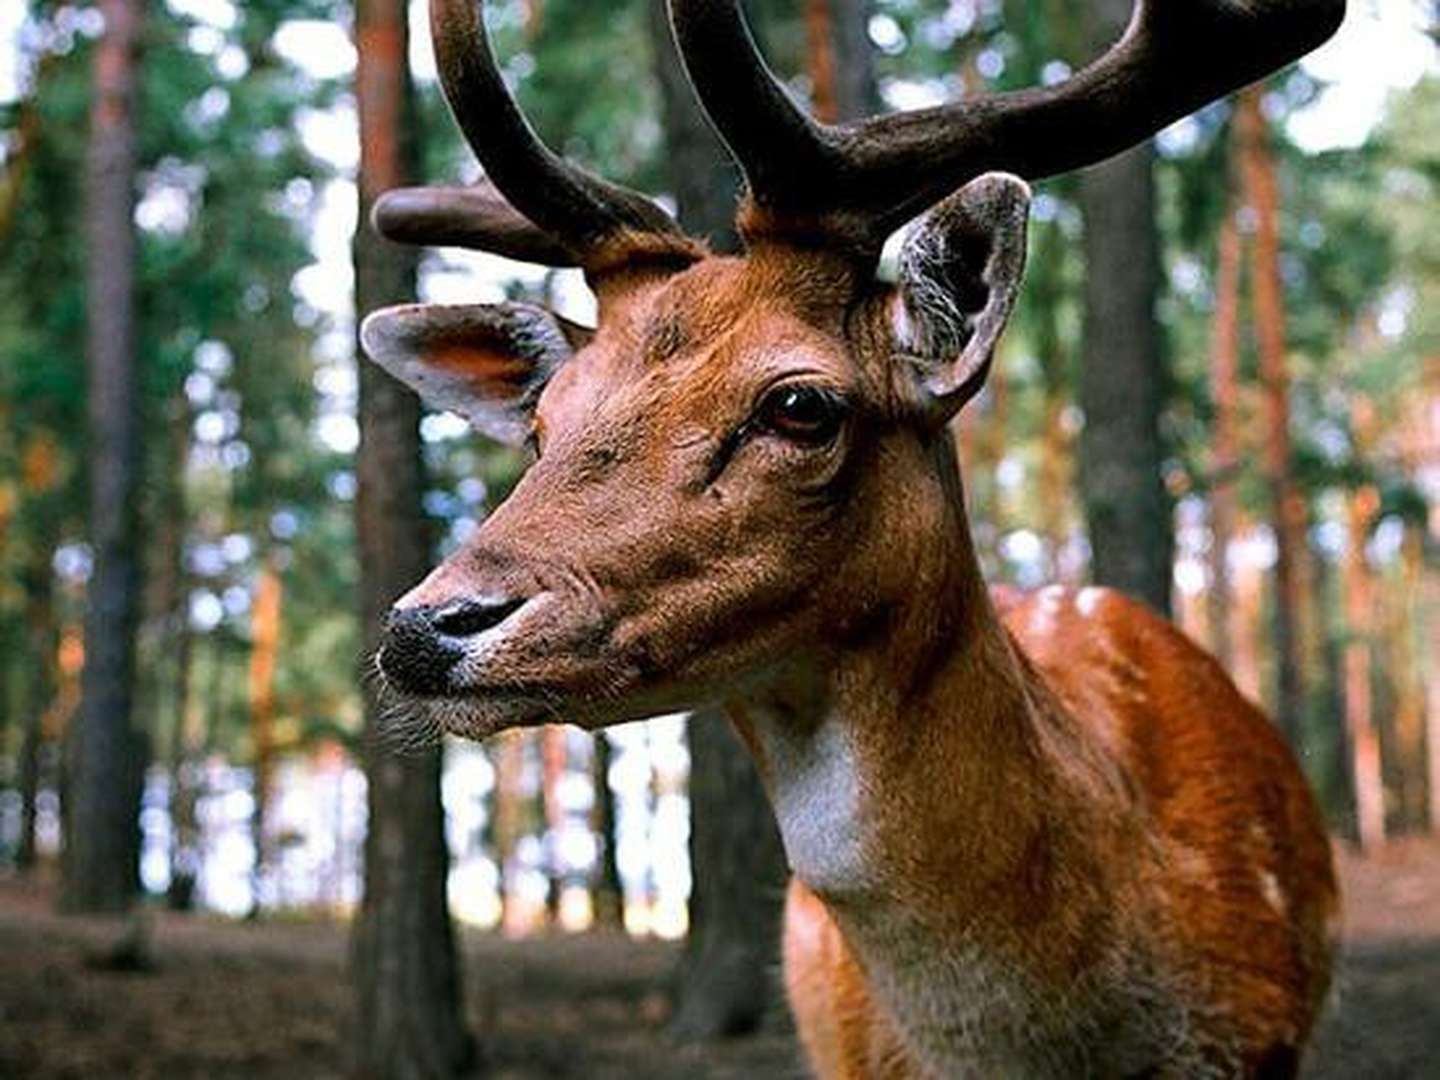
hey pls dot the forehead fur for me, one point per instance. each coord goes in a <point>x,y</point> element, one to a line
<point>667,317</point>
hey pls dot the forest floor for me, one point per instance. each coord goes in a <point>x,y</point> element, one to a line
<point>270,1000</point>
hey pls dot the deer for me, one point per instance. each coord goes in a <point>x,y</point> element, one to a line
<point>1031,834</point>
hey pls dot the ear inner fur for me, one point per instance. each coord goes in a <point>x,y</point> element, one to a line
<point>960,272</point>
<point>487,363</point>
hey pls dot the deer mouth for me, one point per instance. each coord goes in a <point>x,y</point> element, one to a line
<point>479,666</point>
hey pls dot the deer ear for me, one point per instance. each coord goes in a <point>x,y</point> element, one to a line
<point>487,362</point>
<point>960,271</point>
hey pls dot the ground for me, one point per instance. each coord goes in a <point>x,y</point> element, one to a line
<point>270,1000</point>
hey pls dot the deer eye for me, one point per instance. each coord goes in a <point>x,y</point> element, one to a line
<point>803,414</point>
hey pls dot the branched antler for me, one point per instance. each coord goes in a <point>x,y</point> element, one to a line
<point>857,183</point>
<point>847,186</point>
<point>535,205</point>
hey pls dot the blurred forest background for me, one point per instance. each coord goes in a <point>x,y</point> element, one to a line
<point>1221,392</point>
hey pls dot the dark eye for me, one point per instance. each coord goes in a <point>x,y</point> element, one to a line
<point>803,414</point>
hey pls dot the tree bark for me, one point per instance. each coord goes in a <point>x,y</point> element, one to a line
<point>703,179</point>
<point>820,60</point>
<point>509,755</point>
<point>1404,621</point>
<point>1123,383</point>
<point>608,890</point>
<point>839,60</point>
<point>1123,377</point>
<point>552,773</point>
<point>1257,172</point>
<point>1360,721</point>
<point>265,615</point>
<point>102,838</point>
<point>406,972</point>
<point>857,92</point>
<point>739,872</point>
<point>1225,442</point>
<point>737,864</point>
<point>40,696</point>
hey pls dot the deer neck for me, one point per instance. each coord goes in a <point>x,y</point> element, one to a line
<point>948,810</point>
<point>931,755</point>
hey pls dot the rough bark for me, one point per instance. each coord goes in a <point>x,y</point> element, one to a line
<point>1257,173</point>
<point>1225,442</point>
<point>105,755</point>
<point>737,865</point>
<point>406,973</point>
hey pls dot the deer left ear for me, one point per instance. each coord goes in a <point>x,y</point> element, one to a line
<point>487,362</point>
<point>960,272</point>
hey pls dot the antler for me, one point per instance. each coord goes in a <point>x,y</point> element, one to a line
<point>858,183</point>
<point>535,205</point>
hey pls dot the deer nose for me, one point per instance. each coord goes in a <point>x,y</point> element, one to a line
<point>423,645</point>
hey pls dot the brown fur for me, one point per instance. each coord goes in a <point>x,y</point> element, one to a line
<point>1221,810</point>
<point>1032,836</point>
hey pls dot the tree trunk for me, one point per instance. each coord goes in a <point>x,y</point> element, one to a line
<point>1257,172</point>
<point>1360,721</point>
<point>509,751</point>
<point>40,696</point>
<point>1405,619</point>
<point>1225,442</point>
<point>857,93</point>
<point>406,972</point>
<point>1123,382</point>
<point>703,178</point>
<point>737,865</point>
<point>1123,377</point>
<point>552,774</point>
<point>820,60</point>
<point>608,890</point>
<point>185,742</point>
<point>265,613</point>
<point>839,60</point>
<point>739,871</point>
<point>101,864</point>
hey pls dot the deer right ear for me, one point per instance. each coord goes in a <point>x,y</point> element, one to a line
<point>486,362</point>
<point>960,272</point>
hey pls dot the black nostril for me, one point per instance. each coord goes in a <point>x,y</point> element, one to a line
<point>415,655</point>
<point>471,617</point>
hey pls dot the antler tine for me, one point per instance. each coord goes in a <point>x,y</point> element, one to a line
<point>476,217</point>
<point>534,205</point>
<point>858,183</point>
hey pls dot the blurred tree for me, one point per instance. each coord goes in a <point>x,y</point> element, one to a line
<point>857,91</point>
<point>1123,379</point>
<point>1288,511</point>
<point>607,889</point>
<point>1225,453</point>
<point>406,970</point>
<point>101,872</point>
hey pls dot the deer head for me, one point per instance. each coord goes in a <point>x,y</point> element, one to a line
<point>745,467</point>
